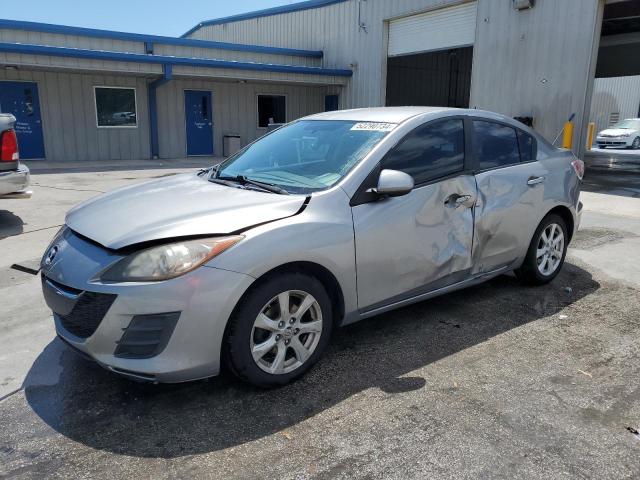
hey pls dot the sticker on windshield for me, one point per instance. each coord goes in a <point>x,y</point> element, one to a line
<point>374,126</point>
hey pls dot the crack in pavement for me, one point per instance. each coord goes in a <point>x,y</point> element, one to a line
<point>10,394</point>
<point>68,189</point>
<point>32,231</point>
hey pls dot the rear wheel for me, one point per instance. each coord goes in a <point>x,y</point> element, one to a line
<point>546,253</point>
<point>279,330</point>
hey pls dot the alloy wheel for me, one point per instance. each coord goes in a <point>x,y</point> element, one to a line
<point>636,143</point>
<point>550,249</point>
<point>286,332</point>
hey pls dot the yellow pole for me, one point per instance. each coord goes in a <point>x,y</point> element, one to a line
<point>591,131</point>
<point>567,138</point>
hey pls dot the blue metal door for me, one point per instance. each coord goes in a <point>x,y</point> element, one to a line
<point>199,117</point>
<point>21,99</point>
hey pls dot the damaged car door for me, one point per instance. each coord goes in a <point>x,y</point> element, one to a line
<point>511,192</point>
<point>421,241</point>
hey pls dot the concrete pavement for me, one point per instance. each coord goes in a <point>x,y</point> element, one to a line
<point>496,381</point>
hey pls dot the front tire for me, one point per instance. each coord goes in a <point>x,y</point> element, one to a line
<point>279,330</point>
<point>635,145</point>
<point>546,253</point>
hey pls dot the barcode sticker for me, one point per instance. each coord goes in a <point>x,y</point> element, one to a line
<point>374,126</point>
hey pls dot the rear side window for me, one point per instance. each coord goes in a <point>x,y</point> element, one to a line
<point>495,145</point>
<point>527,147</point>
<point>430,151</point>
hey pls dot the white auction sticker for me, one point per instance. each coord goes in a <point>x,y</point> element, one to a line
<point>374,126</point>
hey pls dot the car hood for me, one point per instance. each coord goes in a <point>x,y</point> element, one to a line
<point>616,132</point>
<point>178,206</point>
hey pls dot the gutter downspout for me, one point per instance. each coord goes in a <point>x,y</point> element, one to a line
<point>167,70</point>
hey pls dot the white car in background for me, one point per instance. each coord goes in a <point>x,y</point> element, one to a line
<point>624,134</point>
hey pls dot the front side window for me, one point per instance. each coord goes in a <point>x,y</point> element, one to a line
<point>271,109</point>
<point>431,151</point>
<point>495,145</point>
<point>306,156</point>
<point>115,107</point>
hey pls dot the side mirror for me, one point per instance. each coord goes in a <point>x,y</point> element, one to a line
<point>393,183</point>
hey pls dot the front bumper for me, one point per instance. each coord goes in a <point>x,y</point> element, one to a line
<point>110,323</point>
<point>614,141</point>
<point>15,183</point>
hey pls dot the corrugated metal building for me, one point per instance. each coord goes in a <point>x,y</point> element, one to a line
<point>97,94</point>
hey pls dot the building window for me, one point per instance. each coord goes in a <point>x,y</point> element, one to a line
<point>115,107</point>
<point>271,109</point>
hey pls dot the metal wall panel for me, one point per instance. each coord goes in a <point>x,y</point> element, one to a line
<point>234,110</point>
<point>532,62</point>
<point>195,52</point>
<point>333,29</point>
<point>228,74</point>
<point>113,45</point>
<point>70,41</point>
<point>89,65</point>
<point>443,28</point>
<point>535,62</point>
<point>69,117</point>
<point>619,95</point>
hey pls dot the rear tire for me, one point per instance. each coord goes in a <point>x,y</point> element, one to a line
<point>546,253</point>
<point>268,342</point>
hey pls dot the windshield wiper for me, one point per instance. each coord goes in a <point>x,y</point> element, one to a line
<point>243,180</point>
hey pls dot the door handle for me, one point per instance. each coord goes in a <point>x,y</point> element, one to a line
<point>535,180</point>
<point>456,200</point>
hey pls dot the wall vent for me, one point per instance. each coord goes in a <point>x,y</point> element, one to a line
<point>614,118</point>
<point>523,4</point>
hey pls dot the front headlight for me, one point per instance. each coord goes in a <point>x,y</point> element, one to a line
<point>167,261</point>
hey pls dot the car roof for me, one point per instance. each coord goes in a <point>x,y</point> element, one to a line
<point>401,114</point>
<point>378,114</point>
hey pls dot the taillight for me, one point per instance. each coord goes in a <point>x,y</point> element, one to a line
<point>9,149</point>
<point>578,166</point>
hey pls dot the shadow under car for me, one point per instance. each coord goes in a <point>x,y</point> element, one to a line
<point>89,405</point>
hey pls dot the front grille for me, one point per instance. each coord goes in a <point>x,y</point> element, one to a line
<point>87,313</point>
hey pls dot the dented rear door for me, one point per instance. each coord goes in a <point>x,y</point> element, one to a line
<point>511,190</point>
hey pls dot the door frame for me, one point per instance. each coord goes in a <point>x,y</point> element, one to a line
<point>186,130</point>
<point>42,122</point>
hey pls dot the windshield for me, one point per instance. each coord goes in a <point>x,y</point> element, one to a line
<point>627,124</point>
<point>306,156</point>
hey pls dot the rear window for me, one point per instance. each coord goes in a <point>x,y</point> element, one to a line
<point>527,147</point>
<point>495,145</point>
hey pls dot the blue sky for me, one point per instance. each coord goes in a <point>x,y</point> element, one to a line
<point>158,17</point>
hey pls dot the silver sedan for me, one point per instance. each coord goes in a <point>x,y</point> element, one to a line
<point>326,221</point>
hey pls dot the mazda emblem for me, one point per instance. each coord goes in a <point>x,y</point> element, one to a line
<point>51,254</point>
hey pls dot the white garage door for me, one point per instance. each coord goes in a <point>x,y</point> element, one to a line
<point>445,28</point>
